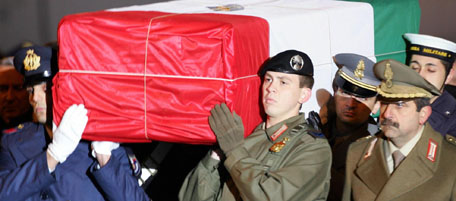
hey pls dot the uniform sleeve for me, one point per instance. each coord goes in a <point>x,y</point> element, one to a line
<point>19,183</point>
<point>203,182</point>
<point>305,176</point>
<point>453,194</point>
<point>349,169</point>
<point>117,180</point>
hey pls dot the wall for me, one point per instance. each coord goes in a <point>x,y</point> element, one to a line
<point>37,20</point>
<point>438,18</point>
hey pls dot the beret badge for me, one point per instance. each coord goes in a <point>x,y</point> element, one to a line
<point>296,62</point>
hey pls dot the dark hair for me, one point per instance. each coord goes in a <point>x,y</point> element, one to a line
<point>421,102</point>
<point>306,81</point>
<point>447,66</point>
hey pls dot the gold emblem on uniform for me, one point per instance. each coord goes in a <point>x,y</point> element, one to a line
<point>228,7</point>
<point>388,75</point>
<point>278,146</point>
<point>20,126</point>
<point>31,61</point>
<point>359,72</point>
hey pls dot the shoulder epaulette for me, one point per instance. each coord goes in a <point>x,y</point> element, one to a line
<point>364,138</point>
<point>13,130</point>
<point>310,130</point>
<point>317,134</point>
<point>451,139</point>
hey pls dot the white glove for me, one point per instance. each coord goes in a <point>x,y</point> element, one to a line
<point>103,147</point>
<point>67,136</point>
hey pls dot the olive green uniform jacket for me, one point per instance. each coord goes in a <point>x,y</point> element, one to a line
<point>299,171</point>
<point>422,175</point>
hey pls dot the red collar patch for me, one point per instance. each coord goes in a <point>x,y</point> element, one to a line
<point>279,132</point>
<point>9,131</point>
<point>13,130</point>
<point>432,149</point>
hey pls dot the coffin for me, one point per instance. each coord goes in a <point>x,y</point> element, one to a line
<point>155,76</point>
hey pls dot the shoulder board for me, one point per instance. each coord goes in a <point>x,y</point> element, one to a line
<point>451,139</point>
<point>13,130</point>
<point>364,138</point>
<point>305,127</point>
<point>317,134</point>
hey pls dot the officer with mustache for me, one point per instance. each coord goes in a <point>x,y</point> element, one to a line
<point>408,160</point>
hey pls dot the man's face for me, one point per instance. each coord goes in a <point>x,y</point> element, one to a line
<point>282,96</point>
<point>352,110</point>
<point>430,68</point>
<point>37,98</point>
<point>400,121</point>
<point>13,96</point>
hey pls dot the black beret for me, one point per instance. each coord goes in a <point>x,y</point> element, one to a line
<point>290,62</point>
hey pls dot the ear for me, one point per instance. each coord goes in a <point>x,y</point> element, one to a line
<point>376,107</point>
<point>451,74</point>
<point>30,98</point>
<point>305,95</point>
<point>425,113</point>
<point>323,96</point>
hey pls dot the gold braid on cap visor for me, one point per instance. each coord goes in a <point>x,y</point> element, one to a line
<point>356,82</point>
<point>401,91</point>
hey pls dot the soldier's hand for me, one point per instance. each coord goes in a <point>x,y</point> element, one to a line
<point>67,136</point>
<point>103,147</point>
<point>101,150</point>
<point>227,127</point>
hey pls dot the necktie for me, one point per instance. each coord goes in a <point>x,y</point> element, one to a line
<point>397,158</point>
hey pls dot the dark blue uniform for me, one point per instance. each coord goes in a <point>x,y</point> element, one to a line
<point>443,117</point>
<point>24,174</point>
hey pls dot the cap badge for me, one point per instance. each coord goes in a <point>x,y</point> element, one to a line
<point>388,75</point>
<point>359,72</point>
<point>31,60</point>
<point>296,62</point>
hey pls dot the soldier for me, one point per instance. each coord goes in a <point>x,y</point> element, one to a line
<point>354,99</point>
<point>283,159</point>
<point>40,163</point>
<point>433,58</point>
<point>408,160</point>
<point>14,107</point>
